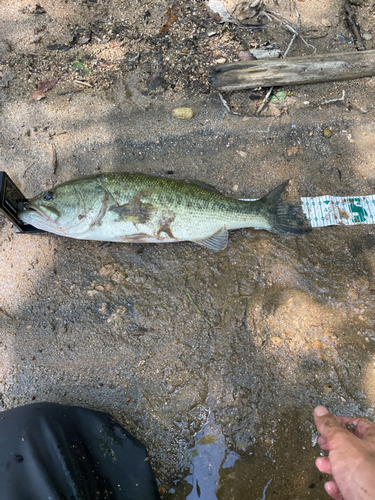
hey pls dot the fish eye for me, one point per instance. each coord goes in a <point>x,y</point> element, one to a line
<point>48,196</point>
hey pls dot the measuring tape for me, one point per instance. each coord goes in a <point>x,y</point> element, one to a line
<point>327,210</point>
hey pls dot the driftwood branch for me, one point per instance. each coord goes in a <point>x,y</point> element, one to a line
<point>293,71</point>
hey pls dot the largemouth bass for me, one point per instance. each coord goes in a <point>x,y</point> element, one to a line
<point>139,208</point>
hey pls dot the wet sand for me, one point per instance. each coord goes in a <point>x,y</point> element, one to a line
<point>225,407</point>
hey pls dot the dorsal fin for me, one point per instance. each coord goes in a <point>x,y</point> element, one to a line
<point>203,185</point>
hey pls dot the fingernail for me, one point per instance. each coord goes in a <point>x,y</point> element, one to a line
<point>320,411</point>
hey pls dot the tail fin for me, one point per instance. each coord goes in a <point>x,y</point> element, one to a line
<point>285,217</point>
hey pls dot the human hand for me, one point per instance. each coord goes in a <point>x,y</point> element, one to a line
<point>351,459</point>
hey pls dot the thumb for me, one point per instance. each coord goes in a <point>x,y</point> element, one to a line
<point>326,423</point>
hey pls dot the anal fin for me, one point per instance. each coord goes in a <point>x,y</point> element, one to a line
<point>217,241</point>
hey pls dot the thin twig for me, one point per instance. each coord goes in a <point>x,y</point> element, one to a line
<point>197,309</point>
<point>225,104</point>
<point>53,158</point>
<point>295,34</point>
<point>288,24</point>
<point>55,134</point>
<point>253,27</point>
<point>353,25</point>
<point>264,13</point>
<point>267,129</point>
<point>290,44</point>
<point>264,102</point>
<point>298,16</point>
<point>235,7</point>
<point>334,100</point>
<point>28,168</point>
<point>295,30</point>
<point>105,245</point>
<point>307,44</point>
<point>83,83</point>
<point>5,314</point>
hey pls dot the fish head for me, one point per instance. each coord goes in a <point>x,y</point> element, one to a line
<point>69,209</point>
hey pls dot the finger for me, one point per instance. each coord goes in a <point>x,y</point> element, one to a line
<point>333,490</point>
<point>365,429</point>
<point>346,422</point>
<point>327,425</point>
<point>324,465</point>
<point>360,427</point>
<point>323,443</point>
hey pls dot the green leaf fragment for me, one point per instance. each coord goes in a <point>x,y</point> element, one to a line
<point>79,65</point>
<point>279,96</point>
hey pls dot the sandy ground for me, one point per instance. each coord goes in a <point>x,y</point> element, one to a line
<point>223,408</point>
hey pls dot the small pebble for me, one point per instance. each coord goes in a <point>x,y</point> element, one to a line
<point>325,22</point>
<point>104,308</point>
<point>292,151</point>
<point>118,277</point>
<point>345,39</point>
<point>327,133</point>
<point>183,113</point>
<point>107,270</point>
<point>367,36</point>
<point>211,32</point>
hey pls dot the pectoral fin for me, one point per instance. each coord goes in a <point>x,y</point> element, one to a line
<point>217,241</point>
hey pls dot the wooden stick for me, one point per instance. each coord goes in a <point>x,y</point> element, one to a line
<point>293,71</point>
<point>350,17</point>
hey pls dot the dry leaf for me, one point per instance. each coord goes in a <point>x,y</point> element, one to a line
<point>170,19</point>
<point>42,87</point>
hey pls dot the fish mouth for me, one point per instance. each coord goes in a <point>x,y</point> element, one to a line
<point>32,209</point>
<point>36,212</point>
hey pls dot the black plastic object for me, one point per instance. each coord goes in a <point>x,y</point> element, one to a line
<point>55,452</point>
<point>11,200</point>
